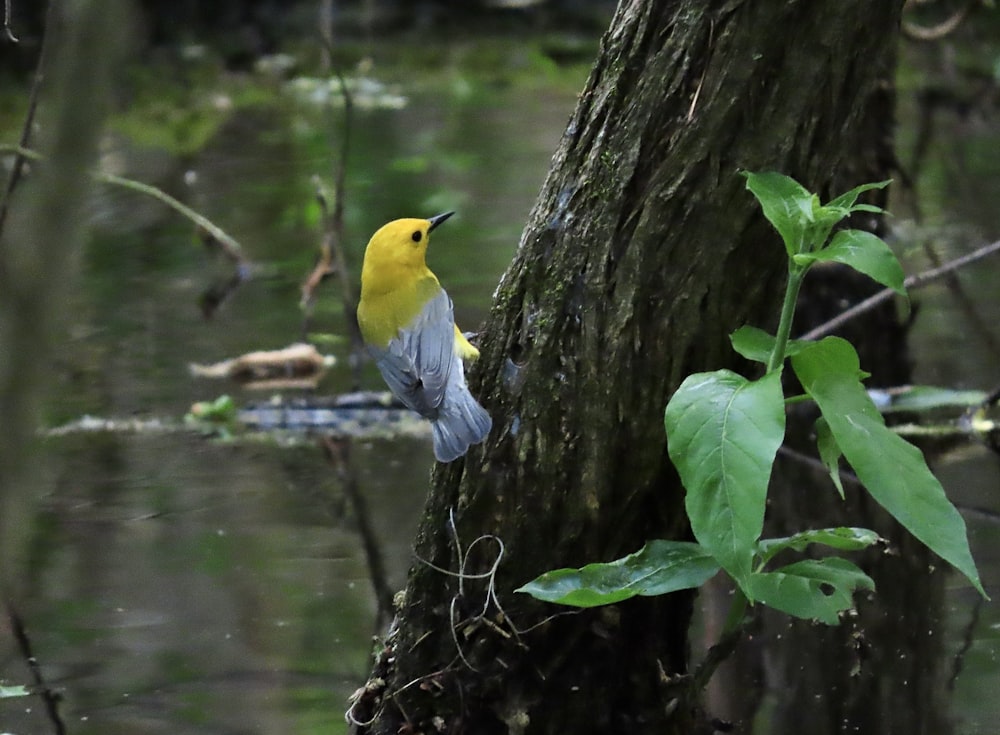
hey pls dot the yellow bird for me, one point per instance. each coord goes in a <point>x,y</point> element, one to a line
<point>408,325</point>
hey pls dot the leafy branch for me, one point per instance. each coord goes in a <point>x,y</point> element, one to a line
<point>724,431</point>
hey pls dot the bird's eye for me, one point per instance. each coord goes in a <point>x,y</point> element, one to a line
<point>416,236</point>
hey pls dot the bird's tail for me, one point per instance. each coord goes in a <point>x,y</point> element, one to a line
<point>461,421</point>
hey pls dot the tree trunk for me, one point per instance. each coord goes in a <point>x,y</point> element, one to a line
<point>643,252</point>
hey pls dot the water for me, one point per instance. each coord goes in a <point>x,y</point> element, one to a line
<point>956,342</point>
<point>184,585</point>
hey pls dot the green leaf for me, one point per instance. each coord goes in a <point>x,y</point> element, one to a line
<point>843,538</point>
<point>823,221</point>
<point>753,343</point>
<point>864,252</point>
<point>757,345</point>
<point>14,691</point>
<point>847,199</point>
<point>829,453</point>
<point>812,210</point>
<point>656,569</point>
<point>814,589</point>
<point>894,471</point>
<point>722,434</point>
<point>786,204</point>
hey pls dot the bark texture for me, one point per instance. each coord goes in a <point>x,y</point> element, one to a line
<point>642,253</point>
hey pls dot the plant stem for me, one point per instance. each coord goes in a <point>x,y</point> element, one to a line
<point>737,611</point>
<point>795,276</point>
<point>798,399</point>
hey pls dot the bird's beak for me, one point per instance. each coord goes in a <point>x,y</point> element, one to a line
<point>435,221</point>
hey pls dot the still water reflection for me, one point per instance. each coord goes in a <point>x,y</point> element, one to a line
<point>184,585</point>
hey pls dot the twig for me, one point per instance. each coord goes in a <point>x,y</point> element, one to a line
<point>339,186</point>
<point>968,639</point>
<point>6,21</point>
<point>324,263</point>
<point>337,452</point>
<point>219,291</point>
<point>913,282</point>
<point>816,464</point>
<point>701,81</point>
<point>326,34</point>
<point>49,697</point>
<point>332,258</point>
<point>986,514</point>
<point>229,244</point>
<point>939,31</point>
<point>29,118</point>
<point>454,623</point>
<point>459,555</point>
<point>965,302</point>
<point>717,654</point>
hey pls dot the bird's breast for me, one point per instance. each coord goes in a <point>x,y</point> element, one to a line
<point>382,314</point>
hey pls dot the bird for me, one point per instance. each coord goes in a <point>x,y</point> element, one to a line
<point>408,326</point>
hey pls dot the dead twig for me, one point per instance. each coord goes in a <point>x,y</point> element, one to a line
<point>718,654</point>
<point>967,305</point>
<point>911,283</point>
<point>49,698</point>
<point>29,119</point>
<point>936,32</point>
<point>324,263</point>
<point>338,455</point>
<point>228,243</point>
<point>701,80</point>
<point>816,464</point>
<point>968,638</point>
<point>8,33</point>
<point>332,260</point>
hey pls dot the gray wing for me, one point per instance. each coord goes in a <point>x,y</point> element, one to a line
<point>461,421</point>
<point>418,360</point>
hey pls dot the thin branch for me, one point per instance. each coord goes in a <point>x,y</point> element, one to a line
<point>939,31</point>
<point>324,263</point>
<point>913,282</point>
<point>29,118</point>
<point>8,33</point>
<point>968,638</point>
<point>338,455</point>
<point>226,241</point>
<point>49,697</point>
<point>460,556</point>
<point>701,81</point>
<point>716,655</point>
<point>812,462</point>
<point>345,148</point>
<point>986,514</point>
<point>965,302</point>
<point>332,259</point>
<point>229,244</point>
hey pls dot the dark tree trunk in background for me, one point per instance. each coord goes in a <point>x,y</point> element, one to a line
<point>642,253</point>
<point>884,669</point>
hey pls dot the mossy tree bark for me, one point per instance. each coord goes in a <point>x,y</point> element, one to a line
<point>643,252</point>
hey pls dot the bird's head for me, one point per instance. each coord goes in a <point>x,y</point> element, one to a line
<point>402,243</point>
